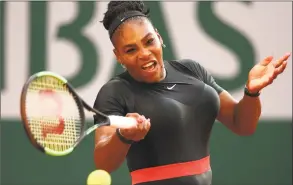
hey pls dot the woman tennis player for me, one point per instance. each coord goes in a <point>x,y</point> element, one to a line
<point>175,103</point>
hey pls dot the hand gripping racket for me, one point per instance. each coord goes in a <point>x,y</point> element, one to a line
<point>53,114</point>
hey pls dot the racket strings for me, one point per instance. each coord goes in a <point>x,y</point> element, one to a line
<point>43,83</point>
<point>53,114</point>
<point>67,139</point>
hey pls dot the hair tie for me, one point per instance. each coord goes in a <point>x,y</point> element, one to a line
<point>121,18</point>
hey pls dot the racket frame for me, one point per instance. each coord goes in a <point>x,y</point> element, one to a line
<point>81,104</point>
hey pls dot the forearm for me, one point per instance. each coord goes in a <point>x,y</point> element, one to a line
<point>109,151</point>
<point>247,114</point>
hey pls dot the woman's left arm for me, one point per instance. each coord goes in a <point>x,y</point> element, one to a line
<point>242,116</point>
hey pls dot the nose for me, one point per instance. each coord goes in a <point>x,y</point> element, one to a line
<point>144,54</point>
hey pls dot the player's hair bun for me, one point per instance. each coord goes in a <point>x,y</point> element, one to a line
<point>116,8</point>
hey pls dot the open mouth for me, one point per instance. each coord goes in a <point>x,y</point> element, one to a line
<point>149,66</point>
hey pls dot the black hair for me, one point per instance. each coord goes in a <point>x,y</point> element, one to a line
<point>122,8</point>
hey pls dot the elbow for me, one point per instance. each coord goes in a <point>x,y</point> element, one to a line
<point>106,168</point>
<point>102,162</point>
<point>244,128</point>
<point>245,132</point>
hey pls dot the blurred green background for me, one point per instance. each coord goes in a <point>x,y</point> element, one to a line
<point>265,158</point>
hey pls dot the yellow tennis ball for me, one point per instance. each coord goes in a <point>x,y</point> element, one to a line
<point>99,177</point>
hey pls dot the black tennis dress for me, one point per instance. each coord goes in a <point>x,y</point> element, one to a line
<point>182,109</point>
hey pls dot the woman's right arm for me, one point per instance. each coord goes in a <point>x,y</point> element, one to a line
<point>110,151</point>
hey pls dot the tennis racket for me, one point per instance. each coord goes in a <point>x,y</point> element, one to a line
<point>53,114</point>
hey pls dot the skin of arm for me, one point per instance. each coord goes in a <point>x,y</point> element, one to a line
<point>241,117</point>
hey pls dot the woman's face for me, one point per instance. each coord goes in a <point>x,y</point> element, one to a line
<point>138,46</point>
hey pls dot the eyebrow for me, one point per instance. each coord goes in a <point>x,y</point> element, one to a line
<point>131,45</point>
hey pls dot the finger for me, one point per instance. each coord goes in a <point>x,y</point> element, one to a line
<point>266,61</point>
<point>141,121</point>
<point>134,115</point>
<point>145,124</point>
<point>281,68</point>
<point>146,129</point>
<point>138,117</point>
<point>148,125</point>
<point>141,127</point>
<point>279,62</point>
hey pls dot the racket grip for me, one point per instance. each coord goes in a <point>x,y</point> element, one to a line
<point>122,122</point>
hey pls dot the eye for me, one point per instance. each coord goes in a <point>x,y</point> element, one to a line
<point>130,50</point>
<point>150,41</point>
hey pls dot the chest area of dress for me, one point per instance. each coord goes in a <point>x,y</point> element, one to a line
<point>177,103</point>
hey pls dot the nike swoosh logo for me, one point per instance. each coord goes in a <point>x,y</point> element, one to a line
<point>171,87</point>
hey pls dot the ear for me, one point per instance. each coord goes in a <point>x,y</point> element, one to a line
<point>159,36</point>
<point>117,55</point>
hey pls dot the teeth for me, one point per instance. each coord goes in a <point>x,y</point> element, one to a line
<point>148,64</point>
